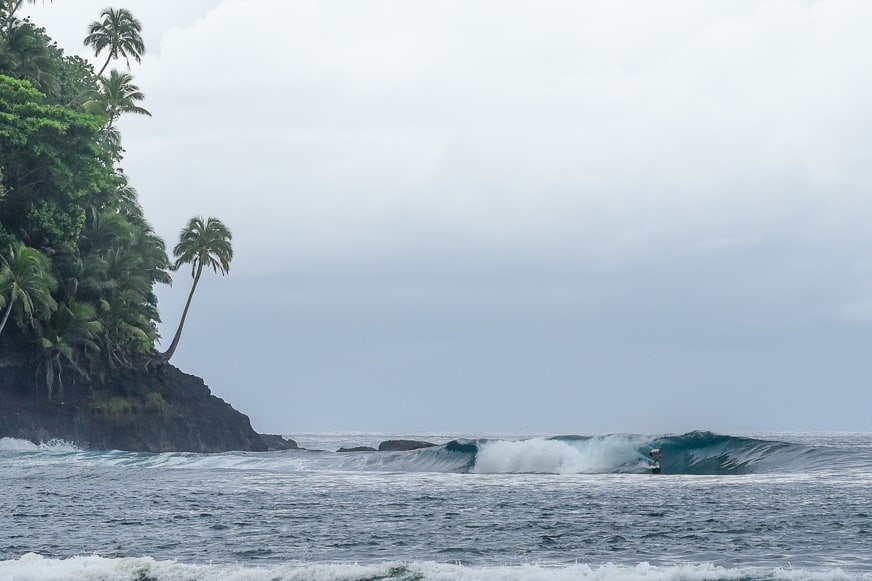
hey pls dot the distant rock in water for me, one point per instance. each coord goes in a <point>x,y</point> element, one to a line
<point>357,449</point>
<point>275,442</point>
<point>403,445</point>
<point>160,409</point>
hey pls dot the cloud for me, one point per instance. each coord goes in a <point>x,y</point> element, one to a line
<point>560,188</point>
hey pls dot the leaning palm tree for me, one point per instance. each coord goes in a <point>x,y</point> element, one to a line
<point>201,243</point>
<point>120,33</point>
<point>26,284</point>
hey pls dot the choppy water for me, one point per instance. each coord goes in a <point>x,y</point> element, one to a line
<point>772,506</point>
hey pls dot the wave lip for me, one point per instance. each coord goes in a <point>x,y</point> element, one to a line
<point>694,453</point>
<point>611,454</point>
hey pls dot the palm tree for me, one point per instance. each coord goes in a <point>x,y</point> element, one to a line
<point>26,283</point>
<point>116,95</point>
<point>8,8</point>
<point>119,32</point>
<point>69,335</point>
<point>201,243</point>
<point>25,54</point>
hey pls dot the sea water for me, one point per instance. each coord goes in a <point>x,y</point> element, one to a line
<point>760,506</point>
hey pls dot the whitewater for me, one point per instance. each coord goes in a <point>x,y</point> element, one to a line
<point>545,507</point>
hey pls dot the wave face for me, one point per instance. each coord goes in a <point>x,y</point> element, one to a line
<point>694,453</point>
<point>33,567</point>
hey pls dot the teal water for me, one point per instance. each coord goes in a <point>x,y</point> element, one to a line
<point>772,506</point>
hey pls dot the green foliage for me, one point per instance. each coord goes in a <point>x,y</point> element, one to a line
<point>155,403</point>
<point>114,409</point>
<point>87,303</point>
<point>53,167</point>
<point>204,243</point>
<point>26,53</point>
<point>118,32</point>
<point>7,240</point>
<point>26,286</point>
<point>201,243</point>
<point>115,95</point>
<point>67,340</point>
<point>118,409</point>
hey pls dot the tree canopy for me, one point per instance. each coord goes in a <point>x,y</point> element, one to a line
<point>78,259</point>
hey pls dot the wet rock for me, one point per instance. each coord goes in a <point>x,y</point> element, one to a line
<point>275,442</point>
<point>403,445</point>
<point>154,409</point>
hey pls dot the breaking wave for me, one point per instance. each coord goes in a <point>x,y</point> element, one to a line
<point>33,567</point>
<point>694,453</point>
<point>16,445</point>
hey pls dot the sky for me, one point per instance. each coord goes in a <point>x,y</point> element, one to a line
<point>502,216</point>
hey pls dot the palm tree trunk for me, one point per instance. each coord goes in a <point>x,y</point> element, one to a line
<point>172,348</point>
<point>106,64</point>
<point>6,315</point>
<point>16,7</point>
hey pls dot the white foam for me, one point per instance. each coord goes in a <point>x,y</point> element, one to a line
<point>33,567</point>
<point>16,445</point>
<point>592,455</point>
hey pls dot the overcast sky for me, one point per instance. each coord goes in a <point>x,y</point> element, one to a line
<point>478,216</point>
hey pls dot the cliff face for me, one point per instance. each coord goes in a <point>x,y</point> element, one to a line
<point>157,410</point>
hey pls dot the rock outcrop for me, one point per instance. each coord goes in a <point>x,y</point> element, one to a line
<point>160,409</point>
<point>357,449</point>
<point>403,445</point>
<point>275,442</point>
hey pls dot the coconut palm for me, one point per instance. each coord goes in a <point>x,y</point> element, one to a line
<point>121,261</point>
<point>116,95</point>
<point>201,243</point>
<point>120,33</point>
<point>64,340</point>
<point>26,284</point>
<point>26,54</point>
<point>8,8</point>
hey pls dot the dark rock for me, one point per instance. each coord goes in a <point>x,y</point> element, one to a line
<point>357,449</point>
<point>403,445</point>
<point>275,442</point>
<point>160,409</point>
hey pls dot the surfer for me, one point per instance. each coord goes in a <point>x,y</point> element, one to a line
<point>655,454</point>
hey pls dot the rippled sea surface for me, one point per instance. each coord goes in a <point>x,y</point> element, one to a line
<point>304,514</point>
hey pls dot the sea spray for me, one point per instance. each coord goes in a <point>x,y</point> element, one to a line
<point>16,445</point>
<point>771,512</point>
<point>695,453</point>
<point>33,567</point>
<point>555,456</point>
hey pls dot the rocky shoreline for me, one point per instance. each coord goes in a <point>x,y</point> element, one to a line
<point>143,409</point>
<point>391,446</point>
<point>159,409</point>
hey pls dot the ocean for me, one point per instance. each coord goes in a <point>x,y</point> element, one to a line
<point>740,507</point>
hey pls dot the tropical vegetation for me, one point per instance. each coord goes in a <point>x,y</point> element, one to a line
<point>78,259</point>
<point>201,243</point>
